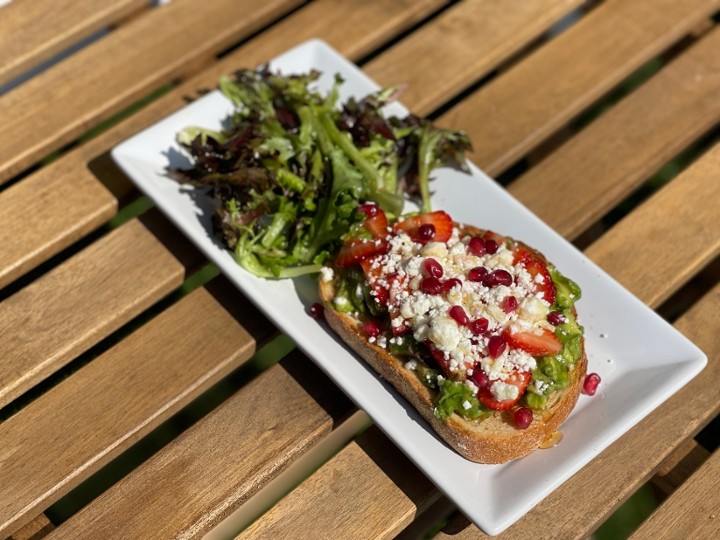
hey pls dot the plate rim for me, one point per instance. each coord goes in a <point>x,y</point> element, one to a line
<point>491,524</point>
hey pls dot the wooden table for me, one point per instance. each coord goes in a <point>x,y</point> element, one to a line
<point>141,395</point>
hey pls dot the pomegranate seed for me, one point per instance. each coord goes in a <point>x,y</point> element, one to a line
<point>370,209</point>
<point>426,232</point>
<point>479,326</point>
<point>523,418</point>
<point>479,378</point>
<point>317,311</point>
<point>498,277</point>
<point>458,313</point>
<point>432,268</point>
<point>556,318</point>
<point>496,346</point>
<point>479,273</point>
<point>509,304</point>
<point>491,246</point>
<point>451,283</point>
<point>371,329</point>
<point>591,383</point>
<point>431,285</point>
<point>476,246</point>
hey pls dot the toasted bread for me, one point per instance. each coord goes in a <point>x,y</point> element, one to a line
<point>494,439</point>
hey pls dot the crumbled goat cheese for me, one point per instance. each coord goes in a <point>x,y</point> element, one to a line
<point>444,333</point>
<point>326,274</point>
<point>503,391</point>
<point>427,315</point>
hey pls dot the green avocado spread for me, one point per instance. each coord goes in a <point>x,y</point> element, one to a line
<point>548,374</point>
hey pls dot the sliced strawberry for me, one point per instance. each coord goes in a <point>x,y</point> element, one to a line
<point>536,267</point>
<point>356,250</point>
<point>543,344</point>
<point>519,379</point>
<point>441,221</point>
<point>377,224</point>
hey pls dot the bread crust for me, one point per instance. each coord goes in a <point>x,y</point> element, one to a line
<point>493,440</point>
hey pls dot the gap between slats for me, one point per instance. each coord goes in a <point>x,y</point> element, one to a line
<point>514,113</point>
<point>138,383</point>
<point>109,74</point>
<point>55,28</point>
<point>89,296</point>
<point>610,158</point>
<point>693,511</point>
<point>255,434</point>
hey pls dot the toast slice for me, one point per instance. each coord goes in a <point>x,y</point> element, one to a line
<point>492,439</point>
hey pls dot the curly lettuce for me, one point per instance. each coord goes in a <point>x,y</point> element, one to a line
<point>290,171</point>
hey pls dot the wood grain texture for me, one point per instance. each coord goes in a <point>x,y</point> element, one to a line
<point>65,196</point>
<point>31,32</point>
<point>34,530</point>
<point>192,484</point>
<point>635,252</point>
<point>351,496</point>
<point>612,156</point>
<point>462,45</point>
<point>678,467</point>
<point>519,109</point>
<point>68,433</point>
<point>109,74</point>
<point>47,212</point>
<point>693,511</point>
<point>49,322</point>
<point>353,28</point>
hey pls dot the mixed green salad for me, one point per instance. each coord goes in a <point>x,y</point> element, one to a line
<point>290,172</point>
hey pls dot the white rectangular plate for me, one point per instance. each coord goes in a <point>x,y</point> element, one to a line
<point>642,360</point>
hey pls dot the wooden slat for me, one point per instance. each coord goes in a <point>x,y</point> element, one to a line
<point>515,112</point>
<point>462,45</point>
<point>609,479</point>
<point>693,511</point>
<point>78,426</point>
<point>350,497</point>
<point>353,28</point>
<point>191,485</point>
<point>636,251</point>
<point>34,530</point>
<point>31,32</point>
<point>683,462</point>
<point>65,196</point>
<point>47,212</point>
<point>49,322</point>
<point>57,105</point>
<point>612,156</point>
